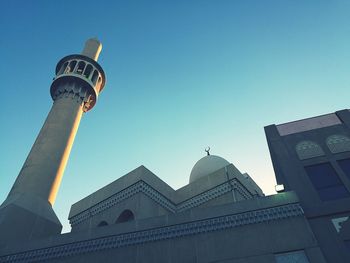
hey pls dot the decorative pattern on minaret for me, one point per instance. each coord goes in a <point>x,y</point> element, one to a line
<point>79,93</point>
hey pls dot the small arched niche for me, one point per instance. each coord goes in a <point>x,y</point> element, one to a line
<point>102,223</point>
<point>125,216</point>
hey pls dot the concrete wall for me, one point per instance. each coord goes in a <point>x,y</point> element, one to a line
<point>239,232</point>
<point>253,243</point>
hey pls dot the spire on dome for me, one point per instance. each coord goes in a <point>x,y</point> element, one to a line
<point>207,150</point>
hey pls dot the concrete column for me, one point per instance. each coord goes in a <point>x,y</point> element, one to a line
<point>27,211</point>
<point>42,171</point>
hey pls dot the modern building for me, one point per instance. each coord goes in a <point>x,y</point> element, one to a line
<point>221,215</point>
<point>312,158</point>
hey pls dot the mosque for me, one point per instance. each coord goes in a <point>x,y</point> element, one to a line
<point>221,215</point>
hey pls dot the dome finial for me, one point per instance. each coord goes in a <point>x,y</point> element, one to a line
<point>207,150</point>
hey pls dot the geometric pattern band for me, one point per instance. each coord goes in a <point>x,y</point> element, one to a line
<point>149,191</point>
<point>76,92</point>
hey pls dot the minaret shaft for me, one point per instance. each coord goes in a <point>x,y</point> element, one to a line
<point>27,212</point>
<point>42,171</point>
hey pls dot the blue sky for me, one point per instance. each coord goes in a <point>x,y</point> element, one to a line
<point>181,75</point>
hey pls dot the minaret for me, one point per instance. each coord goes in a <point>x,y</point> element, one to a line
<point>27,211</point>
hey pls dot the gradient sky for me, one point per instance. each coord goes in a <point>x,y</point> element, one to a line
<point>181,75</point>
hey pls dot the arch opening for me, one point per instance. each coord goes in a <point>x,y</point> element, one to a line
<point>125,216</point>
<point>81,66</point>
<point>88,71</point>
<point>94,77</point>
<point>71,66</point>
<point>63,68</point>
<point>102,223</point>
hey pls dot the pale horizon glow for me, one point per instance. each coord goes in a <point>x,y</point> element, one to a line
<point>181,75</point>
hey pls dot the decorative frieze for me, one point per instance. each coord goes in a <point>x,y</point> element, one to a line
<point>160,199</point>
<point>338,143</point>
<point>308,149</point>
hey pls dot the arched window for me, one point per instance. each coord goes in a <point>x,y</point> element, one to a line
<point>63,67</point>
<point>308,149</point>
<point>71,66</point>
<point>87,71</point>
<point>103,223</point>
<point>94,77</point>
<point>338,143</point>
<point>81,66</point>
<point>125,216</point>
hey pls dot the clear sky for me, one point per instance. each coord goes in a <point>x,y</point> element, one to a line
<point>181,75</point>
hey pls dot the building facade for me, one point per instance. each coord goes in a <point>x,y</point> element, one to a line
<point>312,158</point>
<point>219,217</point>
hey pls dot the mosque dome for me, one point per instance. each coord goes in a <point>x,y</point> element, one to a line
<point>206,166</point>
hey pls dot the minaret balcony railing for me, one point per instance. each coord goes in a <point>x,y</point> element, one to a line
<point>80,69</point>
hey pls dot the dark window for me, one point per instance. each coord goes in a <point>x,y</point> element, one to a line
<point>125,216</point>
<point>87,71</point>
<point>347,244</point>
<point>81,66</point>
<point>71,66</point>
<point>326,182</point>
<point>94,77</point>
<point>345,165</point>
<point>103,223</point>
